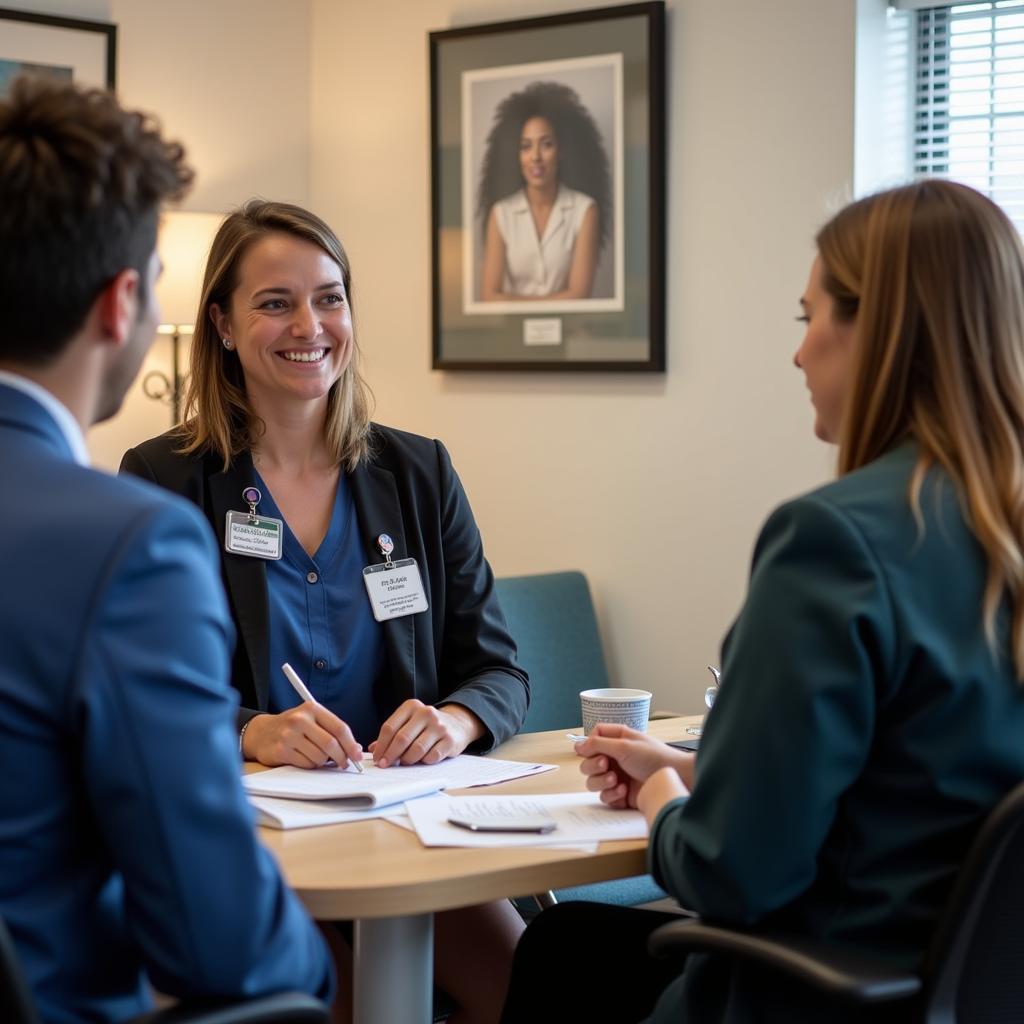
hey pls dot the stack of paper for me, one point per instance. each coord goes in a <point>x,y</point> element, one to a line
<point>374,788</point>
<point>291,797</point>
<point>279,813</point>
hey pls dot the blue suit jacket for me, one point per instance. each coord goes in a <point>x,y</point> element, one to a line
<point>126,844</point>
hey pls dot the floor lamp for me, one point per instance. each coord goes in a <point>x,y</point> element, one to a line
<point>184,244</point>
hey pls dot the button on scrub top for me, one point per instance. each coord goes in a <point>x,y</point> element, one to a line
<point>321,622</point>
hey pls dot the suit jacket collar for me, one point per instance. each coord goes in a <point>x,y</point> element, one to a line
<point>20,411</point>
<point>379,511</point>
<point>246,578</point>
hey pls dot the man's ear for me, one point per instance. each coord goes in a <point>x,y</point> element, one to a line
<point>117,306</point>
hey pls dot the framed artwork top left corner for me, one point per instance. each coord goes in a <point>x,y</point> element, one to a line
<point>69,49</point>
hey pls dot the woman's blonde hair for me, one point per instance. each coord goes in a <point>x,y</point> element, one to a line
<point>218,415</point>
<point>933,274</point>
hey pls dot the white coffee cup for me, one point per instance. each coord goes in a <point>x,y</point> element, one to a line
<point>615,704</point>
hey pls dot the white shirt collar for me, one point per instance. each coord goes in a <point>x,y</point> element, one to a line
<point>57,409</point>
<point>520,204</point>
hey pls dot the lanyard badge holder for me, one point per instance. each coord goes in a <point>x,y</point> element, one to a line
<point>395,588</point>
<point>246,533</point>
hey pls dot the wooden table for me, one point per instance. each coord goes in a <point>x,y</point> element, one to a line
<point>379,875</point>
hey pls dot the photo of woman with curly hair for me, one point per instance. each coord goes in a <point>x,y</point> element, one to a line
<point>542,169</point>
<point>544,197</point>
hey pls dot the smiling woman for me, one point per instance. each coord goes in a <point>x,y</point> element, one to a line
<point>277,436</point>
<point>290,323</point>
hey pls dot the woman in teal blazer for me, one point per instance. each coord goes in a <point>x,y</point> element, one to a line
<point>872,710</point>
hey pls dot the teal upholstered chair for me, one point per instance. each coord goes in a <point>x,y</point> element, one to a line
<point>551,618</point>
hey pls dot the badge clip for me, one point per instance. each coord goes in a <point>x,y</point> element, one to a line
<point>252,496</point>
<point>386,545</point>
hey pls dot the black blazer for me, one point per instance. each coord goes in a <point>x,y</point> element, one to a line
<point>458,650</point>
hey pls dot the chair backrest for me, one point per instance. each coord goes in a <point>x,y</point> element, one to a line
<point>974,972</point>
<point>16,1006</point>
<point>551,617</point>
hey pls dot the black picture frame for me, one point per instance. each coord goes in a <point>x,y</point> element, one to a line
<point>69,48</point>
<point>490,264</point>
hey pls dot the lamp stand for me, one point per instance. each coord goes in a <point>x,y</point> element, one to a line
<point>161,388</point>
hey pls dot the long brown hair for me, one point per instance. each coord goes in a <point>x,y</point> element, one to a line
<point>933,274</point>
<point>218,415</point>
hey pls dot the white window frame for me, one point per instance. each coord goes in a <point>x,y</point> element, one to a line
<point>968,96</point>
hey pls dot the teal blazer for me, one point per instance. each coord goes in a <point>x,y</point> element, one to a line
<point>864,730</point>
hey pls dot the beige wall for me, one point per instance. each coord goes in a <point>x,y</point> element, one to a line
<point>654,486</point>
<point>231,79</point>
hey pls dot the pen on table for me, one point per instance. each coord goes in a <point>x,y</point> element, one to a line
<point>300,688</point>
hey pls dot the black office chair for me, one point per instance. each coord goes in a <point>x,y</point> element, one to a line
<point>16,1006</point>
<point>972,971</point>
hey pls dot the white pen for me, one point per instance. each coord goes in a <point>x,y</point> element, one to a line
<point>300,688</point>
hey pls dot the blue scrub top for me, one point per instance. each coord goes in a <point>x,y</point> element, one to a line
<point>321,622</point>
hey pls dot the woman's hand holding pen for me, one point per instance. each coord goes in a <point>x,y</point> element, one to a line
<point>419,733</point>
<point>306,736</point>
<point>618,760</point>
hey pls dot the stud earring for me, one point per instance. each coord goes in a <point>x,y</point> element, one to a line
<point>227,343</point>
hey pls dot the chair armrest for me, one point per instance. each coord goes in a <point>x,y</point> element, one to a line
<point>824,967</point>
<point>282,1008</point>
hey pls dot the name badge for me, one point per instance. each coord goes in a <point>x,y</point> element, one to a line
<point>395,589</point>
<point>255,536</point>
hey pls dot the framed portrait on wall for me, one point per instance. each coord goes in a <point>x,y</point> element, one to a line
<point>67,48</point>
<point>548,175</point>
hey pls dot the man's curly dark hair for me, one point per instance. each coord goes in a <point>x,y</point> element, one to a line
<point>582,160</point>
<point>81,185</point>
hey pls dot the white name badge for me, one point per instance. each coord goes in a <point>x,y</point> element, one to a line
<point>395,590</point>
<point>255,536</point>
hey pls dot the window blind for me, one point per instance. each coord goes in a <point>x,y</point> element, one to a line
<point>969,98</point>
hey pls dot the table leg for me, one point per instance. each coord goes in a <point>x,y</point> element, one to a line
<point>394,970</point>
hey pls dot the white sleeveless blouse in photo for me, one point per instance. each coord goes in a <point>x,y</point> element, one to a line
<point>539,266</point>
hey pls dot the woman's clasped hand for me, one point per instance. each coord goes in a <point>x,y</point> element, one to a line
<point>618,761</point>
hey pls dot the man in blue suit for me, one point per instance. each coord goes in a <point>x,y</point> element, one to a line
<point>126,845</point>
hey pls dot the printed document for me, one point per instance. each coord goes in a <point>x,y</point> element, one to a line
<point>579,818</point>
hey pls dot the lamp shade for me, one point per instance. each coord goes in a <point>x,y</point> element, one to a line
<point>184,243</point>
